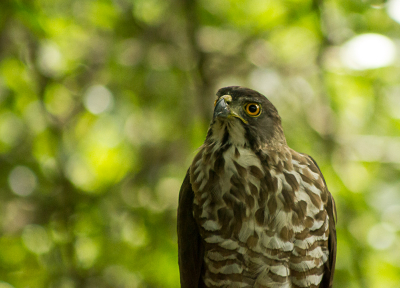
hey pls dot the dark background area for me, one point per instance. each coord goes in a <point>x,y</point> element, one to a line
<point>104,103</point>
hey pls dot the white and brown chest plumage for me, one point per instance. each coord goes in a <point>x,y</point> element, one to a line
<point>252,212</point>
<point>261,215</point>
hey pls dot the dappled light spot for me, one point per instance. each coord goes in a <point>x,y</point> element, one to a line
<point>63,282</point>
<point>216,7</point>
<point>58,100</point>
<point>145,197</point>
<point>80,173</point>
<point>321,118</point>
<point>360,225</point>
<point>354,175</point>
<point>393,9</point>
<point>381,236</point>
<point>98,99</point>
<point>22,181</point>
<point>393,101</point>
<point>260,53</point>
<point>5,285</point>
<point>109,165</point>
<point>213,39</point>
<point>87,251</point>
<point>36,239</point>
<point>149,11</point>
<point>96,166</point>
<point>11,128</point>
<point>384,195</point>
<point>266,81</point>
<point>159,57</point>
<point>167,193</point>
<point>392,215</point>
<point>129,195</point>
<point>130,52</point>
<point>15,252</point>
<point>145,127</point>
<point>117,275</point>
<point>368,51</point>
<point>49,167</point>
<point>16,214</point>
<point>296,46</point>
<point>106,132</point>
<point>50,60</point>
<point>34,117</point>
<point>370,148</point>
<point>133,232</point>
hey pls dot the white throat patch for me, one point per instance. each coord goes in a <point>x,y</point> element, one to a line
<point>234,128</point>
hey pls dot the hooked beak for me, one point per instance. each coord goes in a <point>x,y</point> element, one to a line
<point>222,109</point>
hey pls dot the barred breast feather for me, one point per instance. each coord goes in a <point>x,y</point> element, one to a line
<point>262,217</point>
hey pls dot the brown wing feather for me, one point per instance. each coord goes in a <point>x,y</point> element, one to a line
<point>190,245</point>
<point>327,279</point>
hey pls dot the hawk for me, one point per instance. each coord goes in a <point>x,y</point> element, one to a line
<point>252,211</point>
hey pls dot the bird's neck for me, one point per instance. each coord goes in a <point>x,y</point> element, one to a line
<point>223,133</point>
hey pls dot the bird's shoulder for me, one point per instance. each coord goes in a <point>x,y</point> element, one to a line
<point>190,245</point>
<point>309,172</point>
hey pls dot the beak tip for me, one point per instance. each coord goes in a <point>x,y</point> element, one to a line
<point>221,109</point>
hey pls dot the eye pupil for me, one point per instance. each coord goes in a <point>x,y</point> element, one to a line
<point>252,108</point>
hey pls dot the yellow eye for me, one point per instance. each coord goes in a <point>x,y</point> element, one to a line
<point>253,109</point>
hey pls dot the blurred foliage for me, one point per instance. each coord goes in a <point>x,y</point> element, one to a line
<point>104,103</point>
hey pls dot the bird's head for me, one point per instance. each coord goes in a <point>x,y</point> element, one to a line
<point>245,117</point>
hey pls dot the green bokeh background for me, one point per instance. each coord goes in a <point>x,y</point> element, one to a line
<point>104,103</point>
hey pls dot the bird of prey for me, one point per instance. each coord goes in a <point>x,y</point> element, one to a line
<point>252,211</point>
